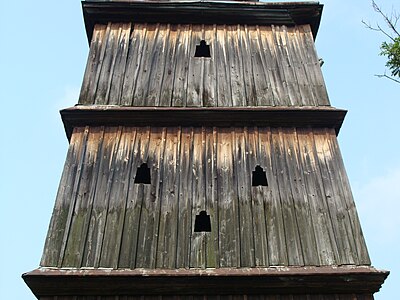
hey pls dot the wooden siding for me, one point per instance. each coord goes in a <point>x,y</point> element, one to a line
<point>221,297</point>
<point>306,216</point>
<point>154,65</point>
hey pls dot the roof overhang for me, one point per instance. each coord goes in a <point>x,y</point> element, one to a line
<point>224,281</point>
<point>202,12</point>
<point>109,115</point>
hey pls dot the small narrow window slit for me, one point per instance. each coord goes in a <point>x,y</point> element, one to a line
<point>202,50</point>
<point>143,174</point>
<point>259,177</point>
<point>202,222</point>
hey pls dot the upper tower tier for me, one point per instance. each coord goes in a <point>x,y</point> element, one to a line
<point>221,54</point>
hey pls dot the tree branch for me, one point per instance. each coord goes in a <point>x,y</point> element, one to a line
<point>389,21</point>
<point>386,76</point>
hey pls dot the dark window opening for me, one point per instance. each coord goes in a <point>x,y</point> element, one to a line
<point>143,174</point>
<point>202,50</point>
<point>202,222</point>
<point>259,177</point>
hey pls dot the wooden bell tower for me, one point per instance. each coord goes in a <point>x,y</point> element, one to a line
<point>203,162</point>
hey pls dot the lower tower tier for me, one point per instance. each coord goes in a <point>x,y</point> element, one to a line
<point>304,214</point>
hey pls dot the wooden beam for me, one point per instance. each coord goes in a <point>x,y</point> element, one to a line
<point>279,280</point>
<point>213,116</point>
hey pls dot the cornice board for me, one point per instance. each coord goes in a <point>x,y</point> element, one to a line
<point>287,280</point>
<point>79,116</point>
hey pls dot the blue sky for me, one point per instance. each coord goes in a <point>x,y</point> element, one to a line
<point>42,57</point>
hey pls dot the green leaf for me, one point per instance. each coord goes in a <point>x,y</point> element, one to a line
<point>392,52</point>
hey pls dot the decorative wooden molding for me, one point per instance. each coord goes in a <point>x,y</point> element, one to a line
<point>202,12</point>
<point>279,280</point>
<point>78,116</point>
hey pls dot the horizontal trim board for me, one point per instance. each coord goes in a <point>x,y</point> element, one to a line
<point>199,12</point>
<point>280,280</point>
<point>233,116</point>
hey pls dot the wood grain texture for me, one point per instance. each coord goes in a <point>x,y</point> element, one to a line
<point>154,65</point>
<point>58,223</point>
<point>305,216</point>
<point>226,283</point>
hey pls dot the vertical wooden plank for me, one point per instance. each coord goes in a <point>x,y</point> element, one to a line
<point>333,199</point>
<point>248,72</point>
<point>354,227</point>
<point>100,140</point>
<point>229,253</point>
<point>287,64</point>
<point>278,75</point>
<point>185,199</point>
<point>285,68</point>
<point>198,240</point>
<point>304,246</point>
<point>277,251</point>
<point>171,59</point>
<point>302,207</point>
<point>117,203</point>
<point>224,94</point>
<point>118,74</point>
<point>63,201</point>
<point>150,216</point>
<point>137,193</point>
<point>196,69</point>
<point>243,186</point>
<point>295,58</point>
<point>258,194</point>
<point>322,230</point>
<point>133,64</point>
<point>97,76</point>
<point>168,226</point>
<point>92,252</point>
<point>144,74</point>
<point>93,64</point>
<point>212,239</point>
<point>157,66</point>
<point>271,66</point>
<point>107,67</point>
<point>263,92</point>
<point>273,85</point>
<point>183,52</point>
<point>323,193</point>
<point>236,71</point>
<point>74,196</point>
<point>308,65</point>
<point>81,216</point>
<point>313,66</point>
<point>285,190</point>
<point>209,78</point>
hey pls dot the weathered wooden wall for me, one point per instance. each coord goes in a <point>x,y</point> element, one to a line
<point>306,216</point>
<point>154,65</point>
